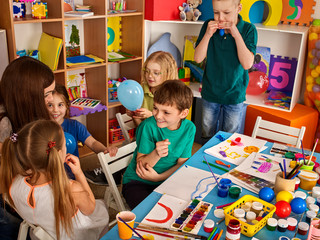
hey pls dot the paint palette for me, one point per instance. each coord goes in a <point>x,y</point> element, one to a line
<point>192,217</point>
<point>85,102</point>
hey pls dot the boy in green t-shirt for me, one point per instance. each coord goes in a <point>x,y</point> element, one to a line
<point>164,142</point>
<point>229,43</point>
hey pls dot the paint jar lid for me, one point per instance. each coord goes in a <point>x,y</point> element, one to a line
<point>251,215</point>
<point>248,204</point>
<point>289,155</point>
<point>314,207</point>
<point>310,200</point>
<point>311,214</point>
<point>247,208</point>
<point>272,222</point>
<point>239,213</point>
<point>316,191</point>
<point>242,220</point>
<point>257,205</point>
<point>284,238</point>
<point>219,213</point>
<point>303,226</point>
<point>235,190</point>
<point>308,175</point>
<point>208,223</point>
<point>300,194</point>
<point>225,181</point>
<point>283,223</point>
<point>292,221</point>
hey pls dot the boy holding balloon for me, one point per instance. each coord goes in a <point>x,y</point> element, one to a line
<point>229,43</point>
<point>75,131</point>
<point>164,142</point>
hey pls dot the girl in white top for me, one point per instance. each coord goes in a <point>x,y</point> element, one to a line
<point>33,179</point>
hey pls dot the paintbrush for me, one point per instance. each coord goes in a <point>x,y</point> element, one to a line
<point>131,228</point>
<point>211,171</point>
<point>314,147</point>
<point>304,159</point>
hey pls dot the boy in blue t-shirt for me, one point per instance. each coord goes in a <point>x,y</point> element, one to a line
<point>229,43</point>
<point>164,142</point>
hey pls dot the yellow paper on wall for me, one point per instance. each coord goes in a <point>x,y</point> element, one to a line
<point>50,49</point>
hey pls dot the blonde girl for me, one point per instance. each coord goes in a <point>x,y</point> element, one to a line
<point>33,179</point>
<point>159,67</point>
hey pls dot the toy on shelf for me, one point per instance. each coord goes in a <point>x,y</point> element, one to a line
<point>39,10</point>
<point>115,133</point>
<point>297,12</point>
<point>19,9</point>
<point>114,34</point>
<point>85,102</point>
<point>189,11</point>
<point>279,99</point>
<point>113,89</point>
<point>76,85</point>
<point>184,75</point>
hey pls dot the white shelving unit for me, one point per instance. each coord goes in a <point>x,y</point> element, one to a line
<point>283,40</point>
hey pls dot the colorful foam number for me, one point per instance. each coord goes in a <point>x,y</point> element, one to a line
<point>297,12</point>
<point>275,11</point>
<point>282,73</point>
<point>114,34</point>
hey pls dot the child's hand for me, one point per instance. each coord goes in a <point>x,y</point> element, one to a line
<point>162,148</point>
<point>74,163</point>
<point>229,26</point>
<point>130,113</point>
<point>146,172</point>
<point>142,113</point>
<point>212,28</point>
<point>111,150</point>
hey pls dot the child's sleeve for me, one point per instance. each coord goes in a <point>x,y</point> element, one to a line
<point>144,138</point>
<point>251,38</point>
<point>189,140</point>
<point>82,132</point>
<point>202,32</point>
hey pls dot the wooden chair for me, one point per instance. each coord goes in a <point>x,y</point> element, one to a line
<point>38,232</point>
<point>278,132</point>
<point>126,123</point>
<point>111,165</point>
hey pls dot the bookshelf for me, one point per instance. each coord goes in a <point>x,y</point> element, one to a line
<point>25,34</point>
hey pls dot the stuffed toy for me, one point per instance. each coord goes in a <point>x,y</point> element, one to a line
<point>189,11</point>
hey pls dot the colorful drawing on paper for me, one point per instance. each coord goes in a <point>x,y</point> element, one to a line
<point>166,219</point>
<point>261,60</point>
<point>257,171</point>
<point>192,182</point>
<point>236,148</point>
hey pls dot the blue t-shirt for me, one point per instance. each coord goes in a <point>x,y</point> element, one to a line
<point>77,130</point>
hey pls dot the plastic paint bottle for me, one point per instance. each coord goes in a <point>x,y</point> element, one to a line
<point>233,230</point>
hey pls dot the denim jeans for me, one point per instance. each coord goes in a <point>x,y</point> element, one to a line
<point>210,115</point>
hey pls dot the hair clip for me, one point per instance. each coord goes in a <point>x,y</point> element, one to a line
<point>51,144</point>
<point>14,137</point>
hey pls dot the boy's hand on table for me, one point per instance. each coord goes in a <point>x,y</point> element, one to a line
<point>162,148</point>
<point>146,172</point>
<point>212,28</point>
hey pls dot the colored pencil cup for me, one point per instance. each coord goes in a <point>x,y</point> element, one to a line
<point>282,184</point>
<point>124,231</point>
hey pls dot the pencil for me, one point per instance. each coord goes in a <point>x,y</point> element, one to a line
<point>282,170</point>
<point>292,171</point>
<point>131,228</point>
<point>295,175</point>
<point>219,236</point>
<point>215,234</point>
<point>224,205</point>
<point>216,166</point>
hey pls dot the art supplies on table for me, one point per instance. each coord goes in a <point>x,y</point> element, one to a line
<point>236,148</point>
<point>188,183</point>
<point>85,102</point>
<point>282,149</point>
<point>257,171</point>
<point>177,214</point>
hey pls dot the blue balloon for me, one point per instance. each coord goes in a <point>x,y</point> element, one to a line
<point>71,143</point>
<point>130,94</point>
<point>298,205</point>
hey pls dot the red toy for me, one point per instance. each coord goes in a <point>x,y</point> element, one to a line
<point>258,83</point>
<point>283,209</point>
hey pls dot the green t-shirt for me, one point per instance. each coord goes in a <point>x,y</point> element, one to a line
<point>224,80</point>
<point>148,134</point>
<point>147,97</point>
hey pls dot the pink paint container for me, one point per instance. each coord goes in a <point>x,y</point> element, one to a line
<point>314,232</point>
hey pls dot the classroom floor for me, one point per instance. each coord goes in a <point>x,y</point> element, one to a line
<point>91,162</point>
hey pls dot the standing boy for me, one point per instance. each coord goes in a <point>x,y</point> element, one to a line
<point>164,142</point>
<point>229,43</point>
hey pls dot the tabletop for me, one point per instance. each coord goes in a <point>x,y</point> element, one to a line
<point>196,161</point>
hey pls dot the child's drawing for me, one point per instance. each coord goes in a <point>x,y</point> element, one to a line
<point>236,148</point>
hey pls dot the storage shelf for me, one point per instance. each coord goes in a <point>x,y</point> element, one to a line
<point>124,14</point>
<point>29,19</point>
<point>126,60</point>
<point>114,104</point>
<point>86,66</point>
<point>83,18</point>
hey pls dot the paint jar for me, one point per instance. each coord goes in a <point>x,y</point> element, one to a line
<point>305,166</point>
<point>314,231</point>
<point>318,201</point>
<point>233,230</point>
<point>303,228</point>
<point>297,156</point>
<point>246,208</point>
<point>295,238</point>
<point>257,207</point>
<point>310,200</point>
<point>308,179</point>
<point>289,155</point>
<point>284,238</point>
<point>314,207</point>
<point>282,184</point>
<point>248,204</point>
<point>300,194</point>
<point>293,163</point>
<point>239,213</point>
<point>310,215</point>
<point>316,164</point>
<point>208,225</point>
<point>282,225</point>
<point>316,192</point>
<point>223,190</point>
<point>314,158</point>
<point>292,223</point>
<point>297,183</point>
<point>318,171</point>
<point>235,191</point>
<point>251,216</point>
<point>272,224</point>
<point>242,220</point>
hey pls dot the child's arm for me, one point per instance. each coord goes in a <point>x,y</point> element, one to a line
<point>246,57</point>
<point>201,50</point>
<point>140,115</point>
<point>97,146</point>
<point>83,196</point>
<point>152,158</point>
<point>148,173</point>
